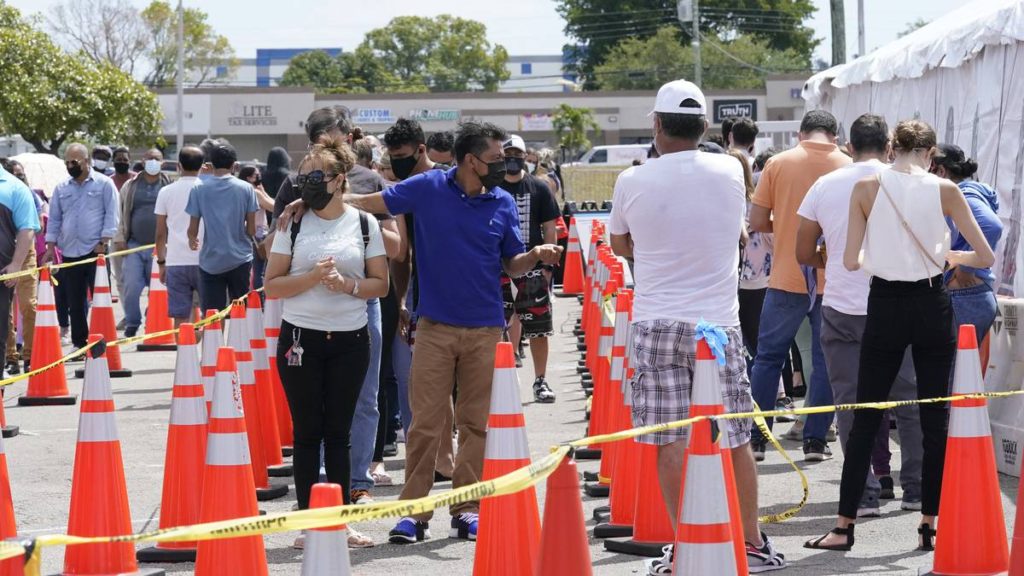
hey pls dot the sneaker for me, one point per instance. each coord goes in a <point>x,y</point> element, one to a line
<point>409,531</point>
<point>131,332</point>
<point>390,450</point>
<point>784,403</point>
<point>13,367</point>
<point>911,499</point>
<point>542,392</point>
<point>888,490</point>
<point>464,526</point>
<point>360,497</point>
<point>833,433</point>
<point>758,447</point>
<point>867,511</point>
<point>121,324</point>
<point>357,539</point>
<point>28,366</point>
<point>300,543</point>
<point>382,479</point>
<point>765,558</point>
<point>519,360</point>
<point>65,336</point>
<point>795,432</point>
<point>438,477</point>
<point>816,450</point>
<point>660,566</point>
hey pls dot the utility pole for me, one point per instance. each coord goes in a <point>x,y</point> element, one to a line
<point>688,11</point>
<point>181,78</point>
<point>861,49</point>
<point>838,32</point>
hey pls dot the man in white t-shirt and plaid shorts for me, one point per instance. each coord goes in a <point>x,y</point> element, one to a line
<point>681,218</point>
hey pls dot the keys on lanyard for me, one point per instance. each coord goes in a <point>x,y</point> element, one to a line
<point>294,353</point>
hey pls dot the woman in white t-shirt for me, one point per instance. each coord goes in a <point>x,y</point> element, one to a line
<point>325,272</point>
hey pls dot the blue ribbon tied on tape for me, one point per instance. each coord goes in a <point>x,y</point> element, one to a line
<point>716,338</point>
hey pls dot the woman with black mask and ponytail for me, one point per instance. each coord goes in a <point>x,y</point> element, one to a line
<point>970,289</point>
<point>325,268</point>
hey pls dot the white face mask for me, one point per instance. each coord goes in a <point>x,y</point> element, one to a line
<point>152,167</point>
<point>100,165</point>
<point>530,167</point>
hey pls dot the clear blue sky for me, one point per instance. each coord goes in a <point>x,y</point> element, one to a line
<point>523,27</point>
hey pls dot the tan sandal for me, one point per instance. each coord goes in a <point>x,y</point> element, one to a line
<point>357,539</point>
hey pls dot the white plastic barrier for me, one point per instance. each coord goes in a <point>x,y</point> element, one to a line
<point>1006,372</point>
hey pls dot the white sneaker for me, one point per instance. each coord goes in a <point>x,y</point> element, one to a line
<point>765,558</point>
<point>660,566</point>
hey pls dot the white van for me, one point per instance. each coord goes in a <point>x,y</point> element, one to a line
<point>615,155</point>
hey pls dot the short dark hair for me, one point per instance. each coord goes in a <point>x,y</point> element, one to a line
<point>322,120</point>
<point>223,157</point>
<point>744,131</point>
<point>727,126</point>
<point>761,159</point>
<point>122,149</point>
<point>441,141</point>
<point>191,158</point>
<point>472,138</point>
<point>682,126</point>
<point>869,133</point>
<point>404,131</point>
<point>100,148</point>
<point>209,145</point>
<point>247,171</point>
<point>822,120</point>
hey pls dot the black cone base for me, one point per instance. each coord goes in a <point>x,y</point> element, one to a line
<point>47,400</point>
<point>166,555</point>
<point>272,493</point>
<point>609,530</point>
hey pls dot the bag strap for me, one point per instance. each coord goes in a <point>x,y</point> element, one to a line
<point>296,226</point>
<point>364,226</point>
<point>906,226</point>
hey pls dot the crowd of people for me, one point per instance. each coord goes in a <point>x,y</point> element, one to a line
<point>403,260</point>
<point>883,246</point>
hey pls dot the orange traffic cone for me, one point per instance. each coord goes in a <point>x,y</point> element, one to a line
<point>572,281</point>
<point>563,544</point>
<point>709,533</point>
<point>971,535</point>
<point>8,528</point>
<point>213,340</point>
<point>238,340</point>
<point>326,549</point>
<point>6,430</point>
<point>272,329</point>
<point>265,388</point>
<point>99,498</point>
<point>186,452</point>
<point>228,481</point>
<point>623,458</point>
<point>509,526</point>
<point>606,397</point>
<point>50,387</point>
<point>1017,552</point>
<point>157,317</point>
<point>652,528</point>
<point>101,321</point>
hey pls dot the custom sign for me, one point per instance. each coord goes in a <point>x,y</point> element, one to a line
<point>738,107</point>
<point>428,115</point>
<point>373,116</point>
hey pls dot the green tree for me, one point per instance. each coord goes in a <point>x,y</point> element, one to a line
<point>314,69</point>
<point>598,25</point>
<point>572,125</point>
<point>444,53</point>
<point>50,96</point>
<point>355,72</point>
<point>647,63</point>
<point>911,26</point>
<point>205,50</point>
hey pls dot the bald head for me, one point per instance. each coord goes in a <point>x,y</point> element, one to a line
<point>76,150</point>
<point>153,154</point>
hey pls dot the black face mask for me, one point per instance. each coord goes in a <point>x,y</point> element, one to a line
<point>514,165</point>
<point>403,167</point>
<point>75,171</point>
<point>121,167</point>
<point>495,174</point>
<point>316,196</point>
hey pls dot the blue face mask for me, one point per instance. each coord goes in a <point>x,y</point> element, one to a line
<point>152,167</point>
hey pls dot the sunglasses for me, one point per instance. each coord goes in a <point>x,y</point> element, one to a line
<point>72,162</point>
<point>315,177</point>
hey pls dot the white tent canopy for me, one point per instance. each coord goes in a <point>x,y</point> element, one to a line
<point>964,75</point>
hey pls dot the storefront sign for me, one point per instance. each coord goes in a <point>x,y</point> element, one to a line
<point>428,115</point>
<point>726,108</point>
<point>373,116</point>
<point>252,115</point>
<point>535,123</point>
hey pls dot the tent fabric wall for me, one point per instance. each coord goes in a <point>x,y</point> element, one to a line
<point>977,105</point>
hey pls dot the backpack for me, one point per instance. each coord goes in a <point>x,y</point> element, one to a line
<point>364,227</point>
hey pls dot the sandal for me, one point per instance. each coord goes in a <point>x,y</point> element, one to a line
<point>382,479</point>
<point>926,532</point>
<point>816,544</point>
<point>357,539</point>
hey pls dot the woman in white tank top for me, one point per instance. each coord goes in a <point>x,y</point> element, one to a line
<point>898,234</point>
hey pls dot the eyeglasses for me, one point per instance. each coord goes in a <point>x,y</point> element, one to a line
<point>72,162</point>
<point>314,177</point>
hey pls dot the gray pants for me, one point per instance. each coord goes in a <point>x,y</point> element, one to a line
<point>840,341</point>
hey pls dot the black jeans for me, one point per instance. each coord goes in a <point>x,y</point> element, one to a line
<point>322,395</point>
<point>78,281</point>
<point>217,290</point>
<point>902,314</point>
<point>388,380</point>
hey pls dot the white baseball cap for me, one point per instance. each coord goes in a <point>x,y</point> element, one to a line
<point>516,142</point>
<point>671,97</point>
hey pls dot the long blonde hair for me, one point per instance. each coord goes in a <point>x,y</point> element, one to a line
<point>748,175</point>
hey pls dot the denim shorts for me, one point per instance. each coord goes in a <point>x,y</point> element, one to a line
<point>182,283</point>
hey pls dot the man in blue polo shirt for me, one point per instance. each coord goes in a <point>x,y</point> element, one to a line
<point>19,223</point>
<point>467,232</point>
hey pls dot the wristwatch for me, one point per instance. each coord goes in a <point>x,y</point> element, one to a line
<point>161,262</point>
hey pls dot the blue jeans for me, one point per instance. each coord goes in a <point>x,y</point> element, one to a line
<point>364,423</point>
<point>137,269</point>
<point>781,316</point>
<point>975,305</point>
<point>401,358</point>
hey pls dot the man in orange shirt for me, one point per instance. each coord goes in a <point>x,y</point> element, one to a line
<point>793,294</point>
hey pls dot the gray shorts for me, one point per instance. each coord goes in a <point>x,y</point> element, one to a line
<point>182,286</point>
<point>664,353</point>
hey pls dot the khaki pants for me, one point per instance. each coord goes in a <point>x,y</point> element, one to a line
<point>25,291</point>
<point>443,354</point>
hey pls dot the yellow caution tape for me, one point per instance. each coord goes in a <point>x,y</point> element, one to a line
<point>793,511</point>
<point>33,271</point>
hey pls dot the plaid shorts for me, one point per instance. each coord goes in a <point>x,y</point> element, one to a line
<point>664,353</point>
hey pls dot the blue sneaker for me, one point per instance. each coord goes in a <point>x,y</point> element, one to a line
<point>464,526</point>
<point>409,531</point>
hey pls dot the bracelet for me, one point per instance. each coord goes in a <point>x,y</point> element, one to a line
<point>161,262</point>
<point>355,287</point>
